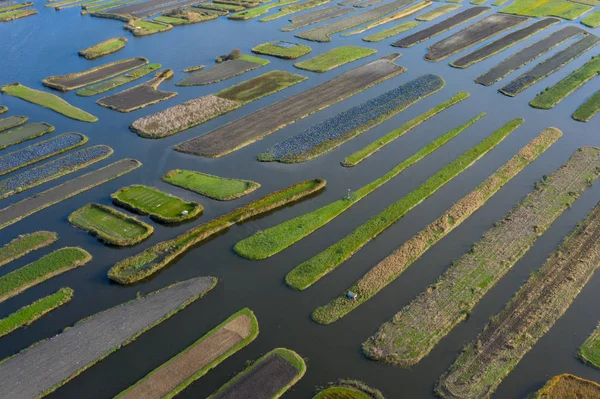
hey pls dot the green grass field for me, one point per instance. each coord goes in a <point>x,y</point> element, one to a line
<point>283,11</point>
<point>47,100</point>
<point>547,8</point>
<point>292,52</point>
<point>592,20</point>
<point>378,144</point>
<point>275,239</point>
<point>349,389</point>
<point>437,12</point>
<point>109,225</point>
<point>260,86</point>
<point>555,94</point>
<point>3,109</point>
<point>16,14</point>
<point>51,265</point>
<point>30,313</point>
<point>260,10</point>
<point>588,109</point>
<point>215,187</point>
<point>142,27</point>
<point>335,58</point>
<point>161,207</point>
<point>590,349</point>
<point>395,30</point>
<point>104,48</point>
<point>24,244</point>
<point>309,272</point>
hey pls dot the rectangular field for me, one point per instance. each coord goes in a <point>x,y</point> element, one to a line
<point>24,133</point>
<point>215,187</point>
<point>24,244</point>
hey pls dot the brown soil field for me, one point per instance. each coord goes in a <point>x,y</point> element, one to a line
<point>140,96</point>
<point>441,27</point>
<point>255,126</point>
<point>315,17</point>
<point>567,386</point>
<point>414,331</point>
<point>219,72</point>
<point>528,54</point>
<point>503,43</point>
<point>473,34</point>
<point>20,210</point>
<point>529,315</point>
<point>76,80</point>
<point>165,379</point>
<point>45,366</point>
<point>323,33</point>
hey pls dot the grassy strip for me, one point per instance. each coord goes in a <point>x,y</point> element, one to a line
<point>24,133</point>
<point>287,53</point>
<point>377,145</point>
<point>153,259</point>
<point>53,264</point>
<point>104,48</point>
<point>17,14</point>
<point>220,7</point>
<point>527,317</point>
<point>393,17</point>
<point>215,187</point>
<point>349,389</point>
<point>310,271</point>
<point>438,12</point>
<point>258,11</point>
<point>30,313</point>
<point>334,58</point>
<point>24,244</point>
<point>555,94</point>
<point>47,100</point>
<point>283,11</point>
<point>121,80</point>
<point>547,8</point>
<point>3,109</point>
<point>386,33</point>
<point>414,331</point>
<point>288,355</point>
<point>395,264</point>
<point>12,122</point>
<point>162,207</point>
<point>17,6</point>
<point>588,109</point>
<point>343,127</point>
<point>110,226</point>
<point>589,351</point>
<point>592,20</point>
<point>205,369</point>
<point>260,86</point>
<point>194,68</point>
<point>275,239</point>
<point>566,386</point>
<point>140,27</point>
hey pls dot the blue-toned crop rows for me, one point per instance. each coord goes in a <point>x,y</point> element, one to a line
<point>332,132</point>
<point>39,151</point>
<point>53,169</point>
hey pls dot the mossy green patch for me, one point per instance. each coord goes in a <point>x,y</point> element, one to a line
<point>24,244</point>
<point>547,8</point>
<point>395,30</point>
<point>281,49</point>
<point>335,58</point>
<point>261,86</point>
<point>215,187</point>
<point>104,48</point>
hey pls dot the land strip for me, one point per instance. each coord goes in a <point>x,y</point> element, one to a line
<point>35,371</point>
<point>549,66</point>
<point>53,264</point>
<point>16,14</point>
<point>20,210</point>
<point>167,380</point>
<point>473,34</point>
<point>287,10</point>
<point>117,81</point>
<point>24,133</point>
<point>12,122</point>
<point>333,132</point>
<point>527,317</point>
<point>589,351</point>
<point>110,226</point>
<point>167,9</point>
<point>76,80</point>
<point>53,169</point>
<point>592,20</point>
<point>260,86</point>
<point>132,9</point>
<point>437,12</point>
<point>282,49</point>
<point>153,259</point>
<point>268,377</point>
<point>103,48</point>
<point>413,332</point>
<point>314,17</point>
<point>223,71</point>
<point>309,272</point>
<point>258,11</point>
<point>141,27</point>
<point>568,386</point>
<point>555,94</point>
<point>390,268</point>
<point>503,43</point>
<point>47,100</point>
<point>3,109</point>
<point>393,31</point>
<point>32,312</point>
<point>140,96</point>
<point>588,109</point>
<point>349,389</point>
<point>393,17</point>
<point>334,58</point>
<point>378,144</point>
<point>40,151</point>
<point>528,54</point>
<point>441,27</point>
<point>215,187</point>
<point>547,8</point>
<point>323,33</point>
<point>275,239</point>
<point>24,244</point>
<point>259,124</point>
<point>162,207</point>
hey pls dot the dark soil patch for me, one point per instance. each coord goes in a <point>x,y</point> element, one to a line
<point>219,72</point>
